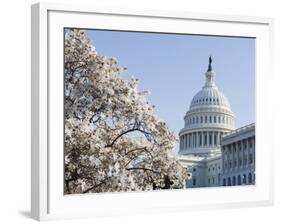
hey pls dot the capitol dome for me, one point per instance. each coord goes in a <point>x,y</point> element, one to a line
<point>208,118</point>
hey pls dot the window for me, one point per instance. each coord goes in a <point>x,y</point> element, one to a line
<point>233,180</point>
<point>210,119</point>
<point>210,139</point>
<point>240,162</point>
<point>206,119</point>
<point>250,158</point>
<point>194,181</point>
<point>219,119</point>
<point>245,161</point>
<point>213,180</point>
<point>229,181</point>
<point>250,144</point>
<point>197,120</point>
<point>239,180</point>
<point>201,119</point>
<point>194,169</point>
<point>244,179</point>
<point>215,119</point>
<point>205,139</point>
<point>250,179</point>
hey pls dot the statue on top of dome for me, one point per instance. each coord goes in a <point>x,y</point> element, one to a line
<point>210,64</point>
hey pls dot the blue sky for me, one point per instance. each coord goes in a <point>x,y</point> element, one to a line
<point>173,68</point>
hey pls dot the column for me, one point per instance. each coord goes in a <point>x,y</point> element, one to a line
<point>197,139</point>
<point>192,137</point>
<point>243,153</point>
<point>248,151</point>
<point>180,142</point>
<point>213,138</point>
<point>193,140</point>
<point>207,139</point>
<point>253,151</point>
<point>238,153</point>
<point>216,137</point>
<point>232,155</point>
<point>202,136</point>
<point>190,140</point>
<point>223,155</point>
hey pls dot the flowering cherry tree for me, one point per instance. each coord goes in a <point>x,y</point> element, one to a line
<point>113,139</point>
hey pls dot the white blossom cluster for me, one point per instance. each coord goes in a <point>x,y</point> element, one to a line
<point>113,139</point>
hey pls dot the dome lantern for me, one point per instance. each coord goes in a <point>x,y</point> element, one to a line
<point>210,74</point>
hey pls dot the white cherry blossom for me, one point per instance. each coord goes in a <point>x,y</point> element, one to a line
<point>113,139</point>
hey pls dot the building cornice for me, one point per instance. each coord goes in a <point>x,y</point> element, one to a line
<point>239,132</point>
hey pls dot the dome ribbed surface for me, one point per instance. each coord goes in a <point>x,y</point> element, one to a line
<point>209,96</point>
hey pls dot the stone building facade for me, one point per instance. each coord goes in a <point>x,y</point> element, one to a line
<point>238,156</point>
<point>208,123</point>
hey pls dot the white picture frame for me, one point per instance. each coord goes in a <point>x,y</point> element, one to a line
<point>47,199</point>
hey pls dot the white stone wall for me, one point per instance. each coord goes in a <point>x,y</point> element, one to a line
<point>238,157</point>
<point>214,173</point>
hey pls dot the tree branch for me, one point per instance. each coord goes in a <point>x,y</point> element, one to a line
<point>126,132</point>
<point>144,169</point>
<point>141,149</point>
